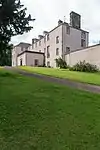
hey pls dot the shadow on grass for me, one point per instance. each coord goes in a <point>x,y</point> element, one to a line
<point>8,74</point>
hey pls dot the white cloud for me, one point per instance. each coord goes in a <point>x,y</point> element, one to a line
<point>47,13</point>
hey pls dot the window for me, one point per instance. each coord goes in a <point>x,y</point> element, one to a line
<point>48,51</point>
<point>57,64</point>
<point>21,63</point>
<point>44,50</point>
<point>48,63</point>
<point>44,39</point>
<point>35,45</point>
<point>83,43</point>
<point>67,50</point>
<point>48,37</point>
<point>36,62</point>
<point>39,43</point>
<point>26,48</point>
<point>32,46</point>
<point>21,48</point>
<point>83,35</point>
<point>68,30</point>
<point>57,39</point>
<point>57,51</point>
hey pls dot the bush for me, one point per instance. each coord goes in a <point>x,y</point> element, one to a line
<point>84,67</point>
<point>61,63</point>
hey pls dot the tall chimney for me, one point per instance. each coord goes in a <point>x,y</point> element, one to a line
<point>75,20</point>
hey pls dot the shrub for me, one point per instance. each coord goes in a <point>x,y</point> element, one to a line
<point>61,63</point>
<point>84,67</point>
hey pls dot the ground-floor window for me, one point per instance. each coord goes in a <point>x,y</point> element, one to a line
<point>48,63</point>
<point>21,62</point>
<point>36,62</point>
<point>57,64</point>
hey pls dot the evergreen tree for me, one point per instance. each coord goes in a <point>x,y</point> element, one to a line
<point>13,21</point>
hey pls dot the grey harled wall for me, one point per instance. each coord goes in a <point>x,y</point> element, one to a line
<point>91,55</point>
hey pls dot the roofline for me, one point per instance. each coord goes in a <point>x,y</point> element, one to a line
<point>64,23</point>
<point>23,43</point>
<point>33,52</point>
<point>74,13</point>
<point>85,48</point>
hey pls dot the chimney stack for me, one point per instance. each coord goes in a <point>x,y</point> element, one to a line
<point>60,22</point>
<point>40,36</point>
<point>45,32</point>
<point>75,20</point>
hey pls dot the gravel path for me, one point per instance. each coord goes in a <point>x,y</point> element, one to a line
<point>67,82</point>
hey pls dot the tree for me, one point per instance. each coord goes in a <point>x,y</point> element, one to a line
<point>13,21</point>
<point>5,54</point>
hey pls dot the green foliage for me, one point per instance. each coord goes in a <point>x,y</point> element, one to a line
<point>61,63</point>
<point>13,21</point>
<point>5,54</point>
<point>84,67</point>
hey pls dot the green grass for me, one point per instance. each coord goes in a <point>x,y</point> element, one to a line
<point>37,115</point>
<point>92,78</point>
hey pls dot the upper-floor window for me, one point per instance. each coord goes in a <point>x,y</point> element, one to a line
<point>83,35</point>
<point>48,51</point>
<point>26,48</point>
<point>35,44</point>
<point>67,29</point>
<point>67,50</point>
<point>57,51</point>
<point>44,39</point>
<point>48,37</point>
<point>32,46</point>
<point>21,48</point>
<point>39,43</point>
<point>83,43</point>
<point>44,50</point>
<point>57,39</point>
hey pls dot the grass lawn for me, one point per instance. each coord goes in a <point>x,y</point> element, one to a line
<point>92,78</point>
<point>37,115</point>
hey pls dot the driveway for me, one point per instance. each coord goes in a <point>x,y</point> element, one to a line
<point>66,82</point>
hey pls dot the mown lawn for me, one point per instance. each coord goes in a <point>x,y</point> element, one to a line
<point>92,78</point>
<point>37,115</point>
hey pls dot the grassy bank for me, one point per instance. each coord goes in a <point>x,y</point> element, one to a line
<point>36,115</point>
<point>92,78</point>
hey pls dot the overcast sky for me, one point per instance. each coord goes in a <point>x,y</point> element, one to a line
<point>48,12</point>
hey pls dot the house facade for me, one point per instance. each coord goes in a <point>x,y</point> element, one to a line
<point>30,58</point>
<point>60,41</point>
<point>18,49</point>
